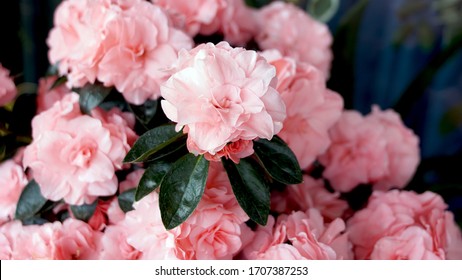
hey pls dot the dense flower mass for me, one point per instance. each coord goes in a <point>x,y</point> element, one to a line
<point>312,109</point>
<point>126,44</point>
<point>309,194</point>
<point>244,152</point>
<point>232,18</point>
<point>309,238</point>
<point>376,149</point>
<point>294,33</point>
<point>220,95</point>
<point>73,156</point>
<point>72,239</point>
<point>405,225</point>
<point>7,86</point>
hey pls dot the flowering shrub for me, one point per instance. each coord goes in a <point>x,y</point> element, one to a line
<point>153,140</point>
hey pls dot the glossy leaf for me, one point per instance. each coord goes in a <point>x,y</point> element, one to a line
<point>158,141</point>
<point>84,212</point>
<point>182,189</point>
<point>126,200</point>
<point>91,95</point>
<point>249,187</point>
<point>278,160</point>
<point>152,178</point>
<point>59,82</point>
<point>30,202</point>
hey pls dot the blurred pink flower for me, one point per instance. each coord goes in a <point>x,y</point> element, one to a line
<point>312,109</point>
<point>12,182</point>
<point>193,15</point>
<point>309,194</point>
<point>405,225</point>
<point>402,149</point>
<point>309,238</point>
<point>139,45</point>
<point>237,22</point>
<point>377,149</point>
<point>70,240</point>
<point>7,87</point>
<point>46,96</point>
<point>126,44</point>
<point>220,95</point>
<point>74,156</point>
<point>294,33</point>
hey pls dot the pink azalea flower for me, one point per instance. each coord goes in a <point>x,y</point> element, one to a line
<point>74,156</point>
<point>300,236</point>
<point>312,109</point>
<point>72,239</point>
<point>220,95</point>
<point>377,149</point>
<point>405,225</point>
<point>294,33</point>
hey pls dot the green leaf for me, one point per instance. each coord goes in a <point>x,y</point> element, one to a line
<point>126,200</point>
<point>145,112</point>
<point>249,187</point>
<point>156,143</point>
<point>278,160</point>
<point>91,95</point>
<point>182,189</point>
<point>257,3</point>
<point>85,211</point>
<point>59,82</point>
<point>323,10</point>
<point>30,202</point>
<point>152,178</point>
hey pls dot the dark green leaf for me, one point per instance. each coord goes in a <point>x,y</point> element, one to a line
<point>85,211</point>
<point>250,188</point>
<point>30,201</point>
<point>152,178</point>
<point>60,81</point>
<point>34,221</point>
<point>145,112</point>
<point>323,10</point>
<point>91,95</point>
<point>158,141</point>
<point>278,160</point>
<point>182,189</point>
<point>257,3</point>
<point>126,200</point>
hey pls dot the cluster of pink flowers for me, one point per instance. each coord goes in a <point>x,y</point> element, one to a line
<point>126,44</point>
<point>223,97</point>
